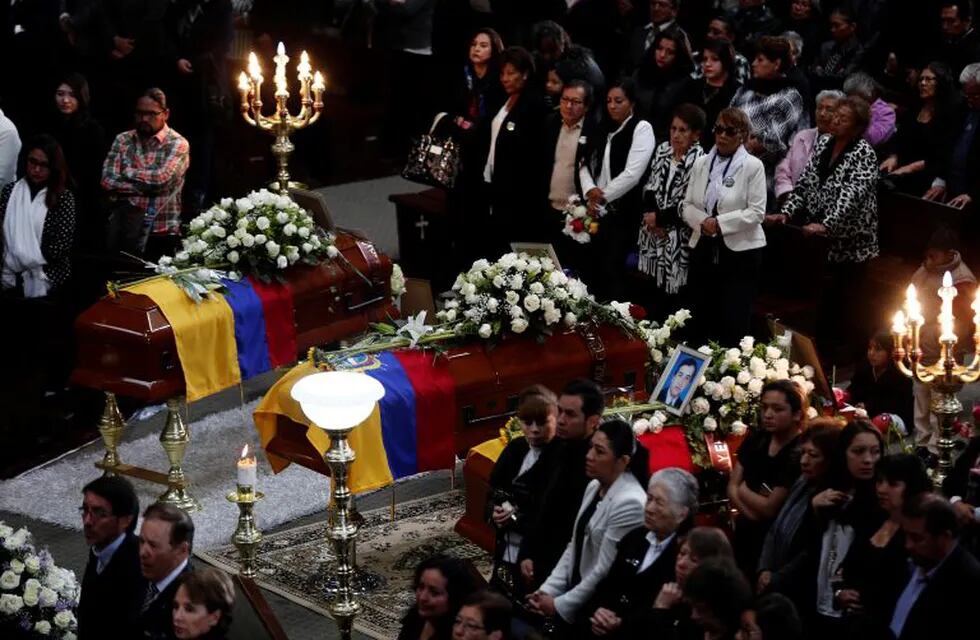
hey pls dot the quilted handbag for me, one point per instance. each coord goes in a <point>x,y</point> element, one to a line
<point>433,159</point>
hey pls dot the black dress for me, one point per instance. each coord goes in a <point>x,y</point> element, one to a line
<point>780,470</point>
<point>84,144</point>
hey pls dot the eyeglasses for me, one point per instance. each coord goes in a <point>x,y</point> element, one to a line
<point>468,625</point>
<point>574,102</point>
<point>141,115</point>
<point>728,131</point>
<point>96,513</point>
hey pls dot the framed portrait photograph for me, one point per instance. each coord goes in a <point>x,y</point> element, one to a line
<point>676,386</point>
<point>537,250</point>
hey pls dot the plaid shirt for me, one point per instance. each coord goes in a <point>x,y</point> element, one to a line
<point>149,174</point>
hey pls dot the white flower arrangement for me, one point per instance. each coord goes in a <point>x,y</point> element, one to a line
<point>36,596</point>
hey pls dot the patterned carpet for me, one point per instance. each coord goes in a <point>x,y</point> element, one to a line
<point>296,563</point>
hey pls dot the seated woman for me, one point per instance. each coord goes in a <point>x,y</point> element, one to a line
<point>611,507</point>
<point>203,604</point>
<point>916,154</point>
<point>660,76</point>
<point>37,218</point>
<point>785,537</point>
<point>441,586</point>
<point>485,615</point>
<point>790,168</point>
<point>518,481</point>
<point>646,557</point>
<point>766,469</point>
<point>714,87</point>
<point>836,197</point>
<point>724,206</point>
<point>611,176</point>
<point>878,386</point>
<point>663,238</point>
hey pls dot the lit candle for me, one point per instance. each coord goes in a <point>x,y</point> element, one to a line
<point>247,469</point>
<point>280,77</point>
<point>912,307</point>
<point>947,292</point>
<point>976,313</point>
<point>898,323</point>
<point>304,67</point>
<point>319,84</point>
<point>254,70</point>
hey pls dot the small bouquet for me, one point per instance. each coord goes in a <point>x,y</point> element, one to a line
<point>37,598</point>
<point>580,226</point>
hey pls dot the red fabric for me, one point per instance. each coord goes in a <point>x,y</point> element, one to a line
<point>668,449</point>
<point>435,409</point>
<point>280,325</point>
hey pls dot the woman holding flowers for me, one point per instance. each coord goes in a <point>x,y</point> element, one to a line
<point>724,206</point>
<point>611,177</point>
<point>767,466</point>
<point>663,239</point>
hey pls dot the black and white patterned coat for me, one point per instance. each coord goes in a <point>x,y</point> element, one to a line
<point>845,201</point>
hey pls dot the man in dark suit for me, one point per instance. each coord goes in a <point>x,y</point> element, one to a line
<point>674,394</point>
<point>579,410</point>
<point>112,584</point>
<point>945,577</point>
<point>166,539</point>
<point>646,556</point>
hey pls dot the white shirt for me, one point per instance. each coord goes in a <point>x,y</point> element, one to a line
<point>163,584</point>
<point>513,538</point>
<point>102,558</point>
<point>656,548</point>
<point>9,150</point>
<point>498,121</point>
<point>641,150</point>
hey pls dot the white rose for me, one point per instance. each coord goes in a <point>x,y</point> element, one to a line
<point>450,315</point>
<point>808,372</point>
<point>472,299</point>
<point>727,382</point>
<point>49,597</point>
<point>511,297</point>
<point>499,282</point>
<point>724,410</point>
<point>481,264</point>
<point>518,325</point>
<point>710,424</point>
<point>282,217</point>
<point>332,251</point>
<point>303,232</point>
<point>516,312</point>
<point>485,331</point>
<point>17,566</point>
<point>54,581</point>
<point>537,287</point>
<point>773,353</point>
<point>755,386</point>
<point>282,262</point>
<point>739,428</point>
<point>657,355</point>
<point>468,289</point>
<point>43,627</point>
<point>262,223</point>
<point>534,266</point>
<point>10,604</point>
<point>710,386</point>
<point>260,238</point>
<point>492,305</point>
<point>732,356</point>
<point>532,302</point>
<point>306,247</point>
<point>705,349</point>
<point>9,580</point>
<point>516,282</point>
<point>682,316</point>
<point>248,240</point>
<point>233,242</point>
<point>700,406</point>
<point>289,229</point>
<point>743,377</point>
<point>63,619</point>
<point>747,344</point>
<point>739,394</point>
<point>272,249</point>
<point>557,279</point>
<point>32,563</point>
<point>244,205</point>
<point>641,426</point>
<point>226,203</point>
<point>570,319</point>
<point>811,413</point>
<point>197,224</point>
<point>552,316</point>
<point>218,232</point>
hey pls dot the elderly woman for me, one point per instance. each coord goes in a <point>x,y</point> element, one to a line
<point>203,604</point>
<point>646,556</point>
<point>773,106</point>
<point>663,239</point>
<point>612,506</point>
<point>882,125</point>
<point>791,167</point>
<point>612,176</point>
<point>37,219</point>
<point>724,206</point>
<point>518,481</point>
<point>836,197</point>
<point>485,615</point>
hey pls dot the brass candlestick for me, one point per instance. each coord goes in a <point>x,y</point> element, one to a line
<point>247,535</point>
<point>945,377</point>
<point>111,427</point>
<point>281,124</point>
<point>342,530</point>
<point>174,440</point>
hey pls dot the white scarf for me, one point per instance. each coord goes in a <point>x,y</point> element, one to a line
<point>721,169</point>
<point>23,227</point>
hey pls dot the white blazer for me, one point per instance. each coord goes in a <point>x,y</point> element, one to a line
<point>618,513</point>
<point>741,207</point>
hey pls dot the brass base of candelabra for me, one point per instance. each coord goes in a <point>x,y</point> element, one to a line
<point>947,407</point>
<point>247,535</point>
<point>342,530</point>
<point>111,427</point>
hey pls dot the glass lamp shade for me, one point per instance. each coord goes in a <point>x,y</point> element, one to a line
<point>337,400</point>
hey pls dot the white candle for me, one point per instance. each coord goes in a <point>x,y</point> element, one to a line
<point>247,469</point>
<point>913,310</point>
<point>898,323</point>
<point>947,292</point>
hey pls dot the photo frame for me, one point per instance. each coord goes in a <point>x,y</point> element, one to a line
<point>803,351</point>
<point>537,250</point>
<point>676,394</point>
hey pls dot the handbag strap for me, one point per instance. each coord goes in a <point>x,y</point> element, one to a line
<point>436,121</point>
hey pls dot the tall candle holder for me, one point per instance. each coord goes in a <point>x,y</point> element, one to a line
<point>247,535</point>
<point>281,123</point>
<point>944,377</point>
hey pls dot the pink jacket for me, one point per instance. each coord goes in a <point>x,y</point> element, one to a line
<point>789,170</point>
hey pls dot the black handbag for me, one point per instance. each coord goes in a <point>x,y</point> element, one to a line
<point>433,159</point>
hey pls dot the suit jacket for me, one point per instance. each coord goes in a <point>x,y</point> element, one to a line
<point>942,609</point>
<point>111,600</point>
<point>741,207</point>
<point>525,492</point>
<point>157,620</point>
<point>628,591</point>
<point>617,513</point>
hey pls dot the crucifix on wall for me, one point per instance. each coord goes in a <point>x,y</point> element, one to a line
<point>421,225</point>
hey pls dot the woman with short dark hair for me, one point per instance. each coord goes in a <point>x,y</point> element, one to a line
<point>660,77</point>
<point>441,585</point>
<point>37,222</point>
<point>715,86</point>
<point>202,604</point>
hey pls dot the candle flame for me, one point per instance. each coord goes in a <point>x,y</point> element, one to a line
<point>243,83</point>
<point>244,452</point>
<point>254,69</point>
<point>912,307</point>
<point>281,49</point>
<point>318,81</point>
<point>898,323</point>
<point>947,279</point>
<point>304,67</point>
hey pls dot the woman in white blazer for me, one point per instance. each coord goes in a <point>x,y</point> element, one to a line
<point>725,206</point>
<point>611,507</point>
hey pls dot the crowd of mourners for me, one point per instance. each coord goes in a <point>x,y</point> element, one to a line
<point>835,537</point>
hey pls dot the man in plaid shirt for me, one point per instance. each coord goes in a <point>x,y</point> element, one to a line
<point>146,166</point>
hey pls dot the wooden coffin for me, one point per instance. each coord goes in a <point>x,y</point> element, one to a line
<point>127,347</point>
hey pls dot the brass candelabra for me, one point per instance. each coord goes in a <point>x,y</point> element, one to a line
<point>342,530</point>
<point>247,535</point>
<point>945,377</point>
<point>281,123</point>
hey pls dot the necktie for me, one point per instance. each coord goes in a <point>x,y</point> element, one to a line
<point>151,594</point>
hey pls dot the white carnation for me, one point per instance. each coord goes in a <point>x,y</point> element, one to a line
<point>17,566</point>
<point>516,312</point>
<point>518,325</point>
<point>552,316</point>
<point>732,356</point>
<point>468,289</point>
<point>32,563</point>
<point>272,249</point>
<point>516,282</point>
<point>485,330</point>
<point>710,424</point>
<point>511,297</point>
<point>248,240</point>
<point>245,205</point>
<point>233,257</point>
<point>262,223</point>
<point>306,247</point>
<point>260,238</point>
<point>218,232</point>
<point>773,353</point>
<point>450,315</point>
<point>233,242</point>
<point>557,279</point>
<point>499,282</point>
<point>197,224</point>
<point>492,305</point>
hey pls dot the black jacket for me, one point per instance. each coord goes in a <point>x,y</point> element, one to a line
<point>943,608</point>
<point>157,620</point>
<point>891,392</point>
<point>111,600</point>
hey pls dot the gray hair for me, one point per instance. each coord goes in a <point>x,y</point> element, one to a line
<point>970,73</point>
<point>681,486</point>
<point>829,93</point>
<point>861,84</point>
<point>795,41</point>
